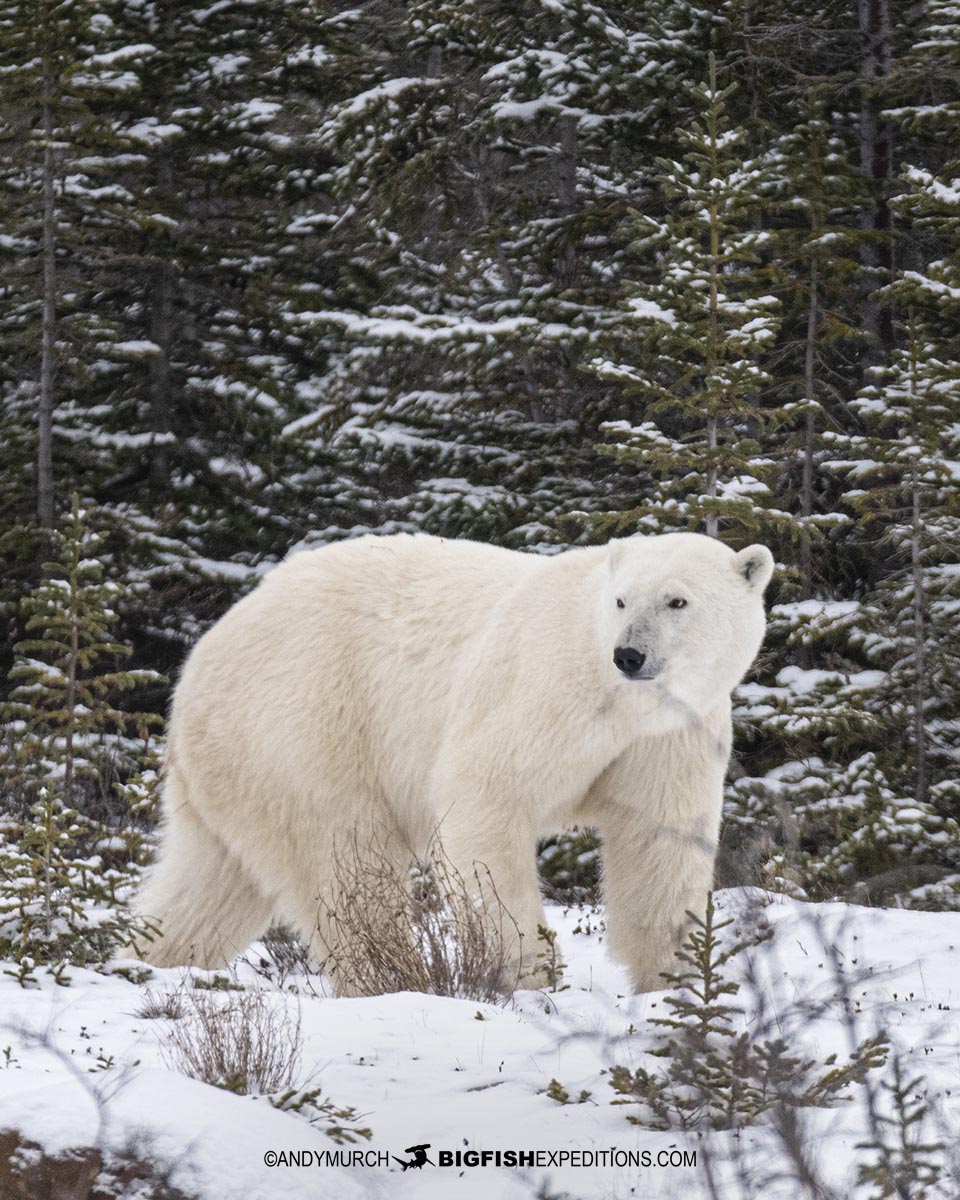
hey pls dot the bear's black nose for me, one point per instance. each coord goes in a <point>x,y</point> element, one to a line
<point>629,661</point>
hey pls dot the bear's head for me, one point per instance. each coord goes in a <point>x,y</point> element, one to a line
<point>683,618</point>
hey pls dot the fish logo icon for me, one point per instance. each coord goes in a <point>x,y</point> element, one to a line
<point>419,1157</point>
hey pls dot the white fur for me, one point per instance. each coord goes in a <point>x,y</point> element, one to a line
<point>382,688</point>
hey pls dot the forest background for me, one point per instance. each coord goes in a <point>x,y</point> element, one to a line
<point>540,274</point>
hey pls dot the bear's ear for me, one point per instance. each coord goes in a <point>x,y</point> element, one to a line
<point>755,565</point>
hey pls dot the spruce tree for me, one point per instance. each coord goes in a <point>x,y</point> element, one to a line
<point>62,203</point>
<point>702,321</point>
<point>43,886</point>
<point>65,873</point>
<point>876,816</point>
<point>63,702</point>
<point>813,190</point>
<point>484,254</point>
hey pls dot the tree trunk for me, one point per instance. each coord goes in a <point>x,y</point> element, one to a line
<point>48,345</point>
<point>161,332</point>
<point>711,524</point>
<point>876,164</point>
<point>567,196</point>
<point>919,640</point>
<point>809,395</point>
<point>73,661</point>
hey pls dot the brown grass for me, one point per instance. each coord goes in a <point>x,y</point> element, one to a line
<point>427,931</point>
<point>158,1005</point>
<point>243,1041</point>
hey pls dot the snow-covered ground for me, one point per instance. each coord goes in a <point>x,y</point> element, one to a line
<point>82,1068</point>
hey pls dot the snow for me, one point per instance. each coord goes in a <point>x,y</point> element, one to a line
<point>134,348</point>
<point>151,132</point>
<point>257,110</point>
<point>123,55</point>
<point>363,101</point>
<point>650,310</point>
<point>313,56</point>
<point>458,1074</point>
<point>228,64</point>
<point>816,608</point>
<point>423,328</point>
<point>525,110</point>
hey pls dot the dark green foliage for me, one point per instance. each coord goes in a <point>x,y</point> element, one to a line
<point>63,888</point>
<point>340,1124</point>
<point>65,675</point>
<point>700,328</point>
<point>556,1091</point>
<point>275,274</point>
<point>570,866</point>
<point>63,874</point>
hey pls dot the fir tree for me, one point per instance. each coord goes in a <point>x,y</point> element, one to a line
<point>702,324</point>
<point>43,920</point>
<point>64,877</point>
<point>62,69</point>
<point>63,700</point>
<point>714,1076</point>
<point>447,355</point>
<point>814,190</point>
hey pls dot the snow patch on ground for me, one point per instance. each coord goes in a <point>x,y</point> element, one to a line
<point>461,1075</point>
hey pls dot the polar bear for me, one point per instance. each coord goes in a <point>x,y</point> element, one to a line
<point>408,685</point>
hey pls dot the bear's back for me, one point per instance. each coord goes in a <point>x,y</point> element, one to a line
<point>357,643</point>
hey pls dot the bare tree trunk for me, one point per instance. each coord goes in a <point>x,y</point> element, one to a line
<point>919,639</point>
<point>71,705</point>
<point>876,161</point>
<point>809,395</point>
<point>432,224</point>
<point>711,525</point>
<point>48,345</point>
<point>73,661</point>
<point>567,194</point>
<point>161,332</point>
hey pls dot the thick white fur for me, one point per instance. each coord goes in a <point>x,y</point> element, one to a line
<point>383,688</point>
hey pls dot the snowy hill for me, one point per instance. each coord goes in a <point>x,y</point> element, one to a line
<point>83,1069</point>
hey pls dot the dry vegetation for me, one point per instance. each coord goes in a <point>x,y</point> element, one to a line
<point>247,1041</point>
<point>431,931</point>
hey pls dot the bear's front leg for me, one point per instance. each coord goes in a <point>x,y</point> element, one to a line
<point>498,867</point>
<point>658,810</point>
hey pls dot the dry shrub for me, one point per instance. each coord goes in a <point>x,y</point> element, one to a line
<point>243,1041</point>
<point>159,1005</point>
<point>429,930</point>
<point>285,961</point>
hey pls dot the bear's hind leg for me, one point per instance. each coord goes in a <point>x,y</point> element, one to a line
<point>345,900</point>
<point>208,907</point>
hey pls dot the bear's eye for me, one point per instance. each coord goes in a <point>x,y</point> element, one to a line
<point>620,603</point>
<point>677,602</point>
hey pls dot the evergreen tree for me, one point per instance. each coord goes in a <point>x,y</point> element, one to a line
<point>274,274</point>
<point>485,250</point>
<point>813,189</point>
<point>715,1075</point>
<point>62,69</point>
<point>198,477</point>
<point>879,812</point>
<point>62,704</point>
<point>48,915</point>
<point>702,323</point>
